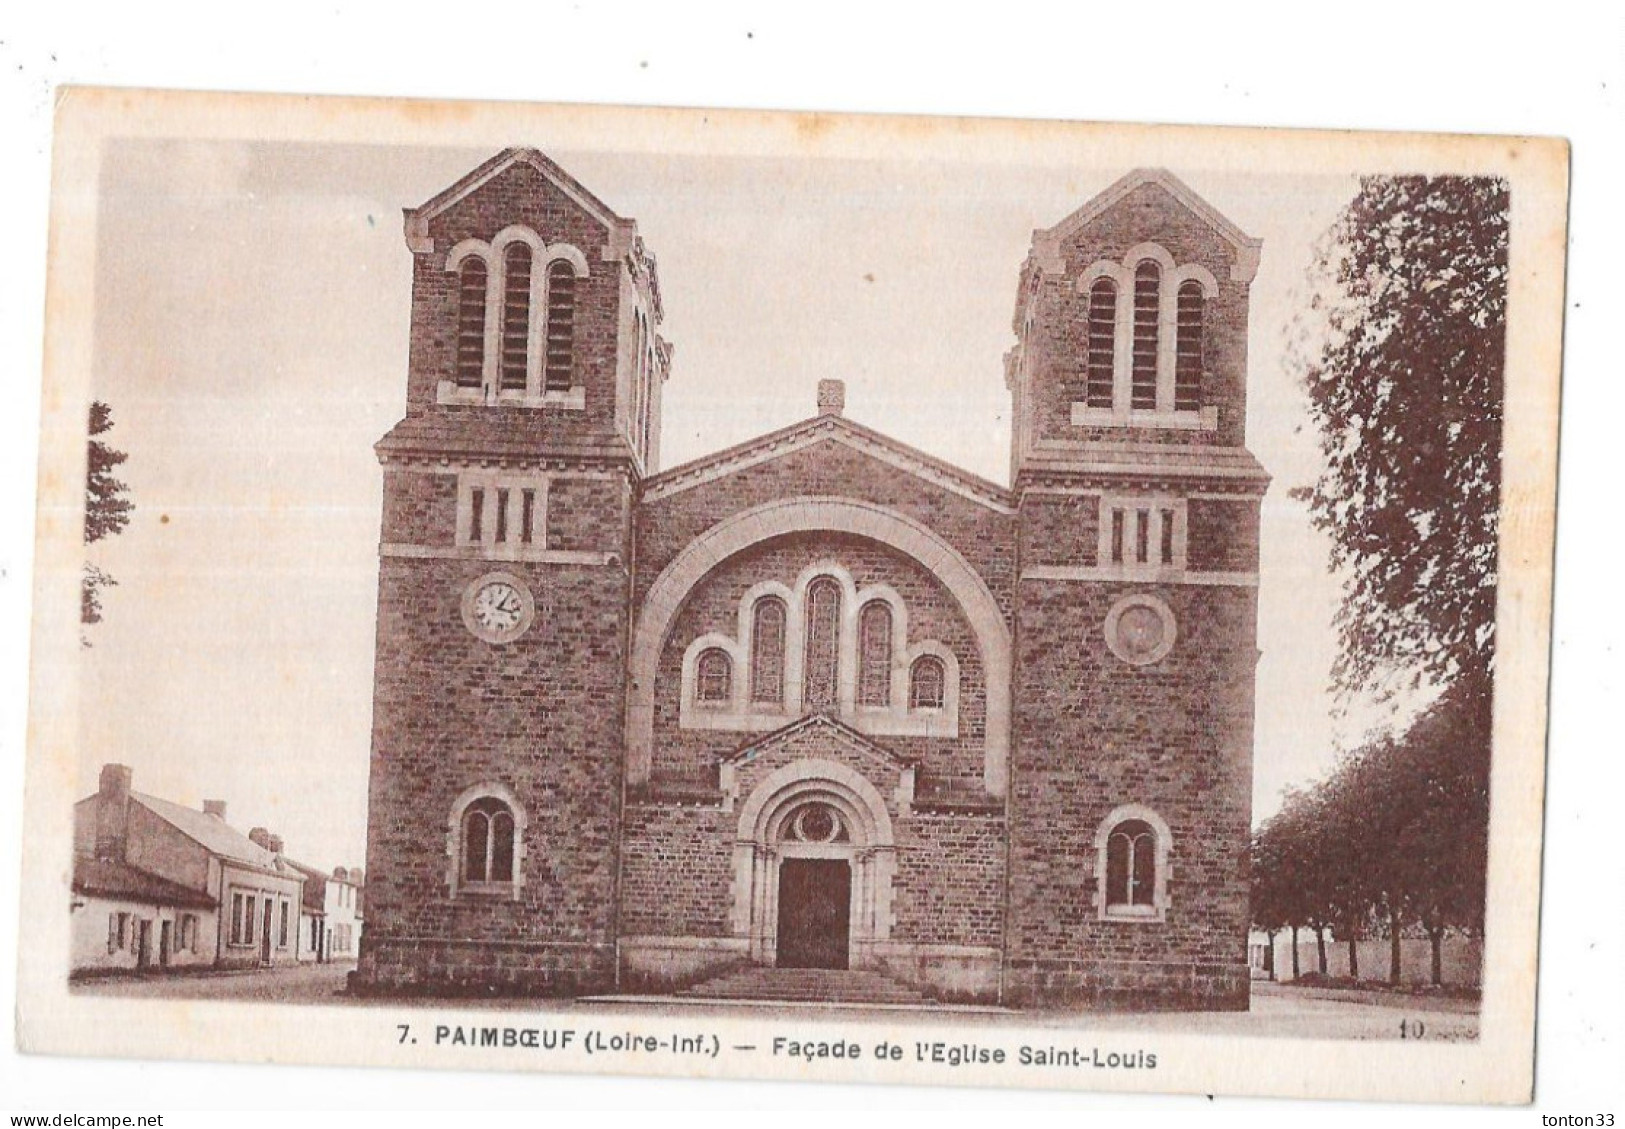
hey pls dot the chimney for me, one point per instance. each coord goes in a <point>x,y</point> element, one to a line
<point>341,874</point>
<point>831,397</point>
<point>216,808</point>
<point>260,837</point>
<point>355,876</point>
<point>273,843</point>
<point>113,811</point>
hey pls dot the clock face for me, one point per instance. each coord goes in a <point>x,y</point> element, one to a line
<point>498,608</point>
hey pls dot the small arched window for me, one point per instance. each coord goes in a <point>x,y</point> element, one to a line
<point>559,371</point>
<point>874,654</point>
<point>821,671</point>
<point>713,678</point>
<point>1188,349</point>
<point>488,842</point>
<point>1131,868</point>
<point>927,683</point>
<point>1102,343</point>
<point>471,279</point>
<point>767,651</point>
<point>514,357</point>
<point>1147,301</point>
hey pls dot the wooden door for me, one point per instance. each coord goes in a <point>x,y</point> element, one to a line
<point>815,908</point>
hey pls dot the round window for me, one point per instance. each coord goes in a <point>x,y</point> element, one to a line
<point>1140,629</point>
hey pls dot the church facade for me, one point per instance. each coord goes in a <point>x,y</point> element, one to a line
<point>819,700</point>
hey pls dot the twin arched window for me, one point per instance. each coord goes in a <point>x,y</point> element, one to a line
<point>1131,867</point>
<point>488,843</point>
<point>1145,342</point>
<point>514,369</point>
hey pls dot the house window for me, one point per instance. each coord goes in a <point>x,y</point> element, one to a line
<point>874,654</point>
<point>821,671</point>
<point>1188,348</point>
<point>926,683</point>
<point>767,652</point>
<point>515,354</point>
<point>713,678</point>
<point>1131,868</point>
<point>471,281</point>
<point>488,842</point>
<point>559,368</point>
<point>1147,301</point>
<point>1102,343</point>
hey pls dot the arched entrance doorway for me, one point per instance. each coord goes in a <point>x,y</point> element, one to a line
<point>813,868</point>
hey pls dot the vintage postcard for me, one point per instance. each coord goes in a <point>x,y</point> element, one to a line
<point>791,596</point>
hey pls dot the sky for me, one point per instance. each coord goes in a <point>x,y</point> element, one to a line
<point>251,332</point>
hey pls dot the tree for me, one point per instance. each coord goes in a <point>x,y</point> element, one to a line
<point>107,508</point>
<point>1407,326</point>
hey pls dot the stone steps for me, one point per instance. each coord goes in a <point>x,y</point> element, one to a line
<point>806,985</point>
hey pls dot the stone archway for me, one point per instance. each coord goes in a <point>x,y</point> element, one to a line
<point>838,515</point>
<point>774,828</point>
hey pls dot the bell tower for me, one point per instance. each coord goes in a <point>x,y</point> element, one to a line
<point>1136,614</point>
<point>532,413</point>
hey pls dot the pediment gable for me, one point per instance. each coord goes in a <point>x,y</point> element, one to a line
<point>419,218</point>
<point>1047,243</point>
<point>829,429</point>
<point>812,729</point>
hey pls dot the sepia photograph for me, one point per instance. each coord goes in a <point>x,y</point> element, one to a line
<point>758,595</point>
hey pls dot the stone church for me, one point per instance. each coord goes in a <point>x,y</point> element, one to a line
<point>819,700</point>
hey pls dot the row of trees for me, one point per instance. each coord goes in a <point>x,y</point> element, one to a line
<point>1401,350</point>
<point>1394,841</point>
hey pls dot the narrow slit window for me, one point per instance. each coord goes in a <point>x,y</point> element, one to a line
<point>1188,349</point>
<point>501,534</point>
<point>527,516</point>
<point>874,654</point>
<point>767,652</point>
<point>476,515</point>
<point>561,327</point>
<point>1142,536</point>
<point>1102,343</point>
<point>1117,536</point>
<point>1147,288</point>
<point>515,318</point>
<point>1167,536</point>
<point>471,279</point>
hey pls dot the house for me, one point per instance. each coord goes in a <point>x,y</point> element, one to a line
<point>330,920</point>
<point>242,899</point>
<point>818,700</point>
<point>312,945</point>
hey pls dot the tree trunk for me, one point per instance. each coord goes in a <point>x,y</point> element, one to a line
<point>1320,947</point>
<point>1394,971</point>
<point>1295,972</point>
<point>1354,956</point>
<point>1436,937</point>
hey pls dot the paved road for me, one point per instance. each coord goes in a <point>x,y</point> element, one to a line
<point>1277,1011</point>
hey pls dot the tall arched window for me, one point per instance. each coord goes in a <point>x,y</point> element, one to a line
<point>1147,298</point>
<point>767,651</point>
<point>874,654</point>
<point>927,683</point>
<point>1102,343</point>
<point>821,671</point>
<point>559,371</point>
<point>1131,868</point>
<point>713,678</point>
<point>1188,349</point>
<point>515,354</point>
<point>471,278</point>
<point>488,841</point>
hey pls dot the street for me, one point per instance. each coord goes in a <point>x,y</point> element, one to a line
<point>1277,1011</point>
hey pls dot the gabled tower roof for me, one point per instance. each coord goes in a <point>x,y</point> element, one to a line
<point>1047,242</point>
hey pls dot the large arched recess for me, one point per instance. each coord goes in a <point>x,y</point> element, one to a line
<point>830,515</point>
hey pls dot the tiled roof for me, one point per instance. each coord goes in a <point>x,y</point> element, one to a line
<point>213,833</point>
<point>110,878</point>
